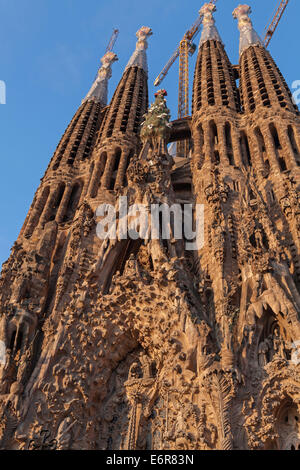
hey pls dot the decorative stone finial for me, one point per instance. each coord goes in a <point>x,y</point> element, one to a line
<point>249,36</point>
<point>139,57</point>
<point>99,90</point>
<point>209,31</point>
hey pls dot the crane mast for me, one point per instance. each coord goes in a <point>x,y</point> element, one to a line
<point>186,48</point>
<point>270,30</point>
<point>112,41</point>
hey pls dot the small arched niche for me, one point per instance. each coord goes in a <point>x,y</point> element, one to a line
<point>288,426</point>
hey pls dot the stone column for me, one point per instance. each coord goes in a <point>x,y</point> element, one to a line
<point>222,144</point>
<point>107,175</point>
<point>207,147</point>
<point>237,153</point>
<point>64,204</point>
<point>270,147</point>
<point>122,169</point>
<point>256,152</point>
<point>198,138</point>
<point>36,213</point>
<point>288,149</point>
<point>49,206</point>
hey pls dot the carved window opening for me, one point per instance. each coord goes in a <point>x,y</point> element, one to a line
<point>117,158</point>
<point>287,426</point>
<point>73,202</point>
<point>25,293</point>
<point>116,105</point>
<point>245,149</point>
<point>57,202</point>
<point>278,147</point>
<point>214,142</point>
<point>66,139</point>
<point>209,78</point>
<point>266,326</point>
<point>96,178</point>
<point>271,67</point>
<point>198,83</point>
<point>91,172</point>
<point>38,209</point>
<point>228,140</point>
<point>139,109</point>
<point>260,80</point>
<point>19,342</point>
<point>272,196</point>
<point>129,158</point>
<point>182,187</point>
<point>262,148</point>
<point>129,100</point>
<point>57,261</point>
<point>293,142</point>
<point>200,136</point>
<point>267,166</point>
<point>161,230</point>
<point>236,186</point>
<point>12,340</point>
<point>78,139</point>
<point>248,85</point>
<point>90,140</point>
<point>222,79</point>
<point>16,340</point>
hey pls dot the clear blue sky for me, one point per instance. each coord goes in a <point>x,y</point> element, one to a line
<point>50,51</point>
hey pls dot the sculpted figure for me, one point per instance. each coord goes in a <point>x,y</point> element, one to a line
<point>263,350</point>
<point>64,434</point>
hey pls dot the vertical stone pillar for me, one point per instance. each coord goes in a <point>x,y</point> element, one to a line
<point>37,210</point>
<point>198,138</point>
<point>237,152</point>
<point>122,169</point>
<point>64,204</point>
<point>49,206</point>
<point>297,136</point>
<point>207,147</point>
<point>270,147</point>
<point>257,151</point>
<point>107,175</point>
<point>222,144</point>
<point>288,149</point>
<point>95,179</point>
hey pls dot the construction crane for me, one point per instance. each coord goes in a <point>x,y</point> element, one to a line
<point>185,49</point>
<point>111,44</point>
<point>270,30</point>
<point>112,41</point>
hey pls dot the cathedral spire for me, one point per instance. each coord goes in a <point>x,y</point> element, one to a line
<point>214,83</point>
<point>118,138</point>
<point>249,36</point>
<point>99,89</point>
<point>209,31</point>
<point>139,57</point>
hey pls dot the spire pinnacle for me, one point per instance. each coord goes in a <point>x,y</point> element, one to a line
<point>209,31</point>
<point>249,36</point>
<point>139,57</point>
<point>99,90</point>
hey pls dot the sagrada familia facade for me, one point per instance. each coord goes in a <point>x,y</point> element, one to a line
<point>129,344</point>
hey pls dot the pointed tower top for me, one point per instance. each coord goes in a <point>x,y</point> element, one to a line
<point>99,90</point>
<point>209,31</point>
<point>139,57</point>
<point>249,36</point>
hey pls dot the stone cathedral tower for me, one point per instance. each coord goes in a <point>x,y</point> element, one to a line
<point>138,342</point>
